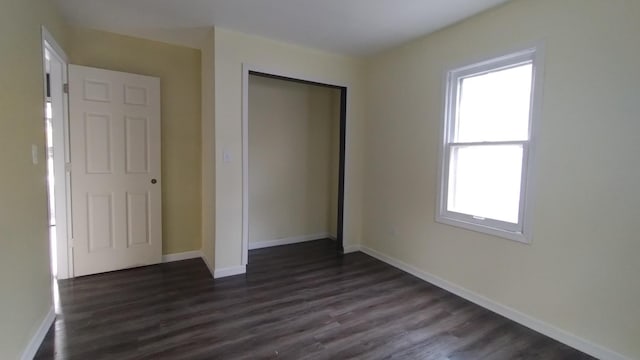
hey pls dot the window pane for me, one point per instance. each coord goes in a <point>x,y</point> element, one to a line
<point>495,106</point>
<point>484,181</point>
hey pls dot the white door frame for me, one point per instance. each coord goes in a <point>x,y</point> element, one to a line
<point>246,69</point>
<point>64,251</point>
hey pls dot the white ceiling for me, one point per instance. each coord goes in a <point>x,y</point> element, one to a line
<point>353,27</point>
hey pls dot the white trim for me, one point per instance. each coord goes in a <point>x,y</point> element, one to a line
<point>352,248</point>
<point>33,346</point>
<point>46,36</point>
<point>230,271</point>
<point>196,254</point>
<point>484,229</point>
<point>245,164</point>
<point>64,252</point>
<point>289,240</point>
<point>522,231</point>
<point>211,269</point>
<point>292,75</point>
<point>246,68</point>
<point>549,330</point>
<point>536,121</point>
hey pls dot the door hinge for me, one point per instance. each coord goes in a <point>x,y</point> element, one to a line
<point>71,243</point>
<point>67,167</point>
<point>65,88</point>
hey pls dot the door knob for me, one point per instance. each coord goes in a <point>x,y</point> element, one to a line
<point>153,181</point>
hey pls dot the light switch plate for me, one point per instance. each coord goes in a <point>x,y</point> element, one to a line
<point>226,156</point>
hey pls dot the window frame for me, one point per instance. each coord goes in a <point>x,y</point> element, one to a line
<point>521,231</point>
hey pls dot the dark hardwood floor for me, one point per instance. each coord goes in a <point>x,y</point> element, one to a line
<point>295,302</point>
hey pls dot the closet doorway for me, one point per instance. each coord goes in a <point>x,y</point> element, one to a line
<point>294,140</point>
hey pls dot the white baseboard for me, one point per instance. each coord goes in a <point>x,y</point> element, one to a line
<point>38,337</point>
<point>351,248</point>
<point>230,271</point>
<point>289,240</point>
<point>551,331</point>
<point>198,254</point>
<point>211,268</point>
<point>182,256</point>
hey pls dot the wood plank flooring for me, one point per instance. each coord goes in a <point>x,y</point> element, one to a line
<point>295,302</point>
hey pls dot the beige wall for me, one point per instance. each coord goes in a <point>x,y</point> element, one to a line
<point>232,49</point>
<point>291,165</point>
<point>25,275</point>
<point>581,272</point>
<point>179,71</point>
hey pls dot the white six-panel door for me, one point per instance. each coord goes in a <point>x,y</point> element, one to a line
<point>115,175</point>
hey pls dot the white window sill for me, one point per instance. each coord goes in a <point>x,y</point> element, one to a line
<point>505,234</point>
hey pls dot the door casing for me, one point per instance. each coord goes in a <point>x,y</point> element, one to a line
<point>248,69</point>
<point>60,121</point>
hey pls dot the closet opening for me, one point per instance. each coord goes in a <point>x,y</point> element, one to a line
<point>294,142</point>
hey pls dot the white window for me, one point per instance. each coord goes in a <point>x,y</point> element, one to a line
<point>487,148</point>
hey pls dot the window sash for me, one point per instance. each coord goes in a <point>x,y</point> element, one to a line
<point>501,63</point>
<point>458,91</point>
<point>499,225</point>
<point>522,231</point>
<point>454,81</point>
